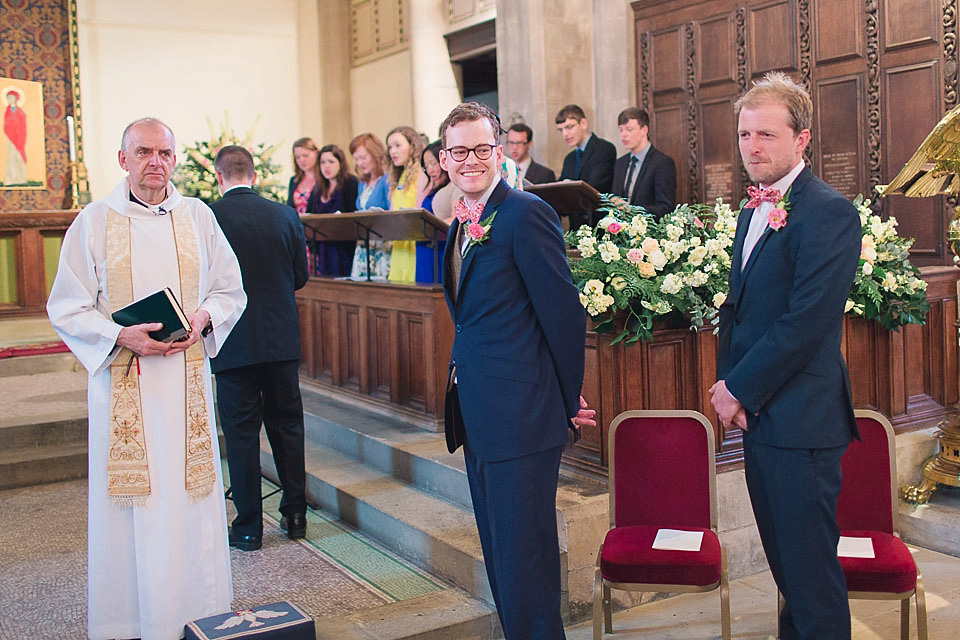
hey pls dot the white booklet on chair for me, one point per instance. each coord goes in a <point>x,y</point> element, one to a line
<point>676,540</point>
<point>850,547</point>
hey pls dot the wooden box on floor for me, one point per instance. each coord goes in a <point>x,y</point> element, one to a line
<point>276,621</point>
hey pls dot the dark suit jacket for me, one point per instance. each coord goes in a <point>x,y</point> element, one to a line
<point>655,188</point>
<point>539,174</point>
<point>269,242</point>
<point>781,325</point>
<point>520,330</point>
<point>596,164</point>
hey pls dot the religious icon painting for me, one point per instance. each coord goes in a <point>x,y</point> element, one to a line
<point>22,148</point>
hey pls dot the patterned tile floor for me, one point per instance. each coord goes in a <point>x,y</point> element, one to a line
<point>335,571</point>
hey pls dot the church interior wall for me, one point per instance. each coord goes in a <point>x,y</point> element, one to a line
<point>183,61</point>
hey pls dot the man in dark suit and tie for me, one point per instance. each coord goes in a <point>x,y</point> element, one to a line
<point>516,368</point>
<point>519,138</point>
<point>592,157</point>
<point>644,176</point>
<point>781,374</point>
<point>257,368</point>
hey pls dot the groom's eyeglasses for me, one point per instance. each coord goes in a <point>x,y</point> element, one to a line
<point>482,151</point>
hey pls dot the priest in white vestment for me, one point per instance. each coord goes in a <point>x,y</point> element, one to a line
<point>157,548</point>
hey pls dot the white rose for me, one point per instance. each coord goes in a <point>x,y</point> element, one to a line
<point>697,255</point>
<point>867,268</point>
<point>609,252</point>
<point>657,259</point>
<point>588,247</point>
<point>592,287</point>
<point>719,298</point>
<point>618,283</point>
<point>671,284</point>
<point>604,223</point>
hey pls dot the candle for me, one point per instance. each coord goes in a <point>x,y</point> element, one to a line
<point>73,139</point>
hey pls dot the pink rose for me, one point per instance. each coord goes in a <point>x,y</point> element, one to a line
<point>777,219</point>
<point>614,227</point>
<point>475,231</point>
<point>635,256</point>
<point>698,222</point>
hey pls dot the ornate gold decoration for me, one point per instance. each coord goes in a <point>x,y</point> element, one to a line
<point>79,187</point>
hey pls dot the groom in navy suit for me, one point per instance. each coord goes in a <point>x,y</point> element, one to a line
<point>516,369</point>
<point>781,374</point>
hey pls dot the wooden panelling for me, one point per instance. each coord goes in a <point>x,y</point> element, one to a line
<point>840,135</point>
<point>716,52</point>
<point>838,30</point>
<point>28,235</point>
<point>667,61</point>
<point>387,345</point>
<point>772,29</point>
<point>909,114</point>
<point>881,75</point>
<point>910,22</point>
<point>668,135</point>
<point>718,143</point>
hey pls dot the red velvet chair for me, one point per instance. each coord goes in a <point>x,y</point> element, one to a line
<point>662,476</point>
<point>867,507</point>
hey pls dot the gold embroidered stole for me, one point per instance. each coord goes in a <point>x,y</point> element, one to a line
<point>128,478</point>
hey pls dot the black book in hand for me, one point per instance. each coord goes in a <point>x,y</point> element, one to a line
<point>161,306</point>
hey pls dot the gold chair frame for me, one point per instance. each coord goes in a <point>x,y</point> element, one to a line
<point>602,587</point>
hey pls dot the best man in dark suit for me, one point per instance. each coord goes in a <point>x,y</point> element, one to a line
<point>256,369</point>
<point>781,374</point>
<point>592,157</point>
<point>515,370</point>
<point>644,176</point>
<point>519,138</point>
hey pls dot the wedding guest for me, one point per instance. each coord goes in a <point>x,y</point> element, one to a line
<point>370,160</point>
<point>404,145</point>
<point>336,193</point>
<point>306,176</point>
<point>432,178</point>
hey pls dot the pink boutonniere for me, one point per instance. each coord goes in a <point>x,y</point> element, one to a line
<point>777,218</point>
<point>479,232</point>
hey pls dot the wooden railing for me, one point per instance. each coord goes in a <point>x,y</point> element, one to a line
<point>29,250</point>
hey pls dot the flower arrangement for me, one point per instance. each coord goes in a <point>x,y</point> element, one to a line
<point>887,288</point>
<point>194,176</point>
<point>637,269</point>
<point>644,268</point>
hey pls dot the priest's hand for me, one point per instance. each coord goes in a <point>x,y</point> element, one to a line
<point>137,339</point>
<point>198,322</point>
<point>729,409</point>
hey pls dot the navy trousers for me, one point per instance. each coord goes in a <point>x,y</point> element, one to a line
<point>794,495</point>
<point>515,503</point>
<point>268,394</point>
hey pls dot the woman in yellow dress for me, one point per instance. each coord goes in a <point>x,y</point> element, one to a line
<point>404,145</point>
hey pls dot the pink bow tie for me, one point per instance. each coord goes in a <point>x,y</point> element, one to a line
<point>467,214</point>
<point>760,195</point>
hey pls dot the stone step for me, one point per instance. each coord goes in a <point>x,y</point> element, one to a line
<point>409,454</point>
<point>30,365</point>
<point>27,467</point>
<point>49,430</point>
<point>430,531</point>
<point>444,615</point>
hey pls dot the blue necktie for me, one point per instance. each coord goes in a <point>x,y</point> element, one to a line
<point>576,162</point>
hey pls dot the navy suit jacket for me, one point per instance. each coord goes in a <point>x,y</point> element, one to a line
<point>539,174</point>
<point>596,164</point>
<point>781,325</point>
<point>520,331</point>
<point>655,188</point>
<point>269,242</point>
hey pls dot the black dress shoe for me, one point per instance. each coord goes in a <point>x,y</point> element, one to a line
<point>295,525</point>
<point>246,543</point>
